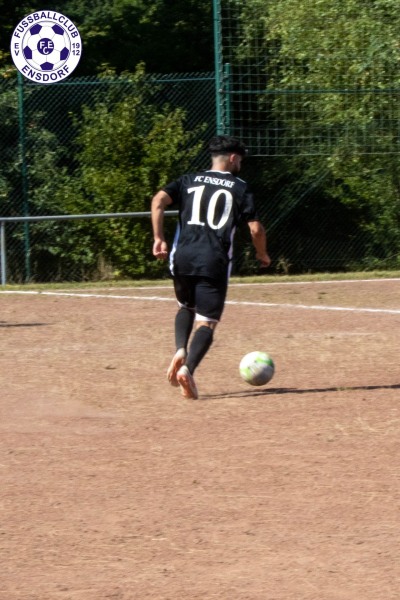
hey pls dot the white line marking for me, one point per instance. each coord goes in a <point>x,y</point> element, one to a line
<point>387,311</point>
<point>82,295</point>
<point>316,282</point>
<point>320,307</point>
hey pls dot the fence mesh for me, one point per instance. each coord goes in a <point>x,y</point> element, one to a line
<point>313,88</point>
<point>39,129</point>
<point>306,85</point>
<point>315,99</point>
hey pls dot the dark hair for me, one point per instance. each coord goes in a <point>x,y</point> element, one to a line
<point>225,144</point>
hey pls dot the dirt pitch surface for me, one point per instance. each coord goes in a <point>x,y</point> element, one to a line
<point>115,487</point>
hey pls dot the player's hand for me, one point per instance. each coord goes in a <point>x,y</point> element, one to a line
<point>264,259</point>
<point>160,249</point>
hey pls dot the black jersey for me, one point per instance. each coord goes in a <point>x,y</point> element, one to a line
<point>211,205</point>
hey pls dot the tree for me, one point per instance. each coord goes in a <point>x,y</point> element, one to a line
<point>167,36</point>
<point>127,147</point>
<point>338,64</point>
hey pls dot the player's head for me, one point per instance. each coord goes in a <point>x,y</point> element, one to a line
<point>225,144</point>
<point>228,151</point>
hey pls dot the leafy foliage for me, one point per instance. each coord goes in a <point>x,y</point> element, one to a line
<point>120,149</point>
<point>126,149</point>
<point>330,77</point>
<point>338,64</point>
<point>121,34</point>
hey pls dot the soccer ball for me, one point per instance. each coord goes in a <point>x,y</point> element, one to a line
<point>257,368</point>
<point>46,46</point>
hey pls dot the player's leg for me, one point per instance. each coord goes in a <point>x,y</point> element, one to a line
<point>210,300</point>
<point>201,342</point>
<point>184,319</point>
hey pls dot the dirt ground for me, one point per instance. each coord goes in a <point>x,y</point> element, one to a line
<point>115,487</point>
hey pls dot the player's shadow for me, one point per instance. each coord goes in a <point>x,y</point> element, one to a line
<point>280,391</point>
<point>5,324</point>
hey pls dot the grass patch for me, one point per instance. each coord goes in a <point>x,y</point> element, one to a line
<point>318,277</point>
<point>167,281</point>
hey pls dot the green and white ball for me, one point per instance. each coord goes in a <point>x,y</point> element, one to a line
<point>257,368</point>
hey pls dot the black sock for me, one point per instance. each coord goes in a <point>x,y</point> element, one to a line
<point>183,327</point>
<point>199,346</point>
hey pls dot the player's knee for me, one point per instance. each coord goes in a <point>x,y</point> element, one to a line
<point>185,308</point>
<point>206,324</point>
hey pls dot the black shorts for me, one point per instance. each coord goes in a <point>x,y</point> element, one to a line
<point>203,295</point>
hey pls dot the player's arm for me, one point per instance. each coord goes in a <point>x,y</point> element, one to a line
<point>259,239</point>
<point>158,205</point>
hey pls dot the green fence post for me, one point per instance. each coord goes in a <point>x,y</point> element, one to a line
<point>227,97</point>
<point>24,173</point>
<point>218,60</point>
<point>3,259</point>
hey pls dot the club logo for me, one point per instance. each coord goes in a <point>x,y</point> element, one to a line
<point>46,47</point>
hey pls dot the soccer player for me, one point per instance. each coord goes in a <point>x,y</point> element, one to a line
<point>211,204</point>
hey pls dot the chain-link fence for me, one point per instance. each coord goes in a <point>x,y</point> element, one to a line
<point>321,121</point>
<point>40,158</point>
<point>312,88</point>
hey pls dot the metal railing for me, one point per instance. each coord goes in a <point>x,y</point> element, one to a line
<point>5,220</point>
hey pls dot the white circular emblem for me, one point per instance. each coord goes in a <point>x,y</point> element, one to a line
<point>46,46</point>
